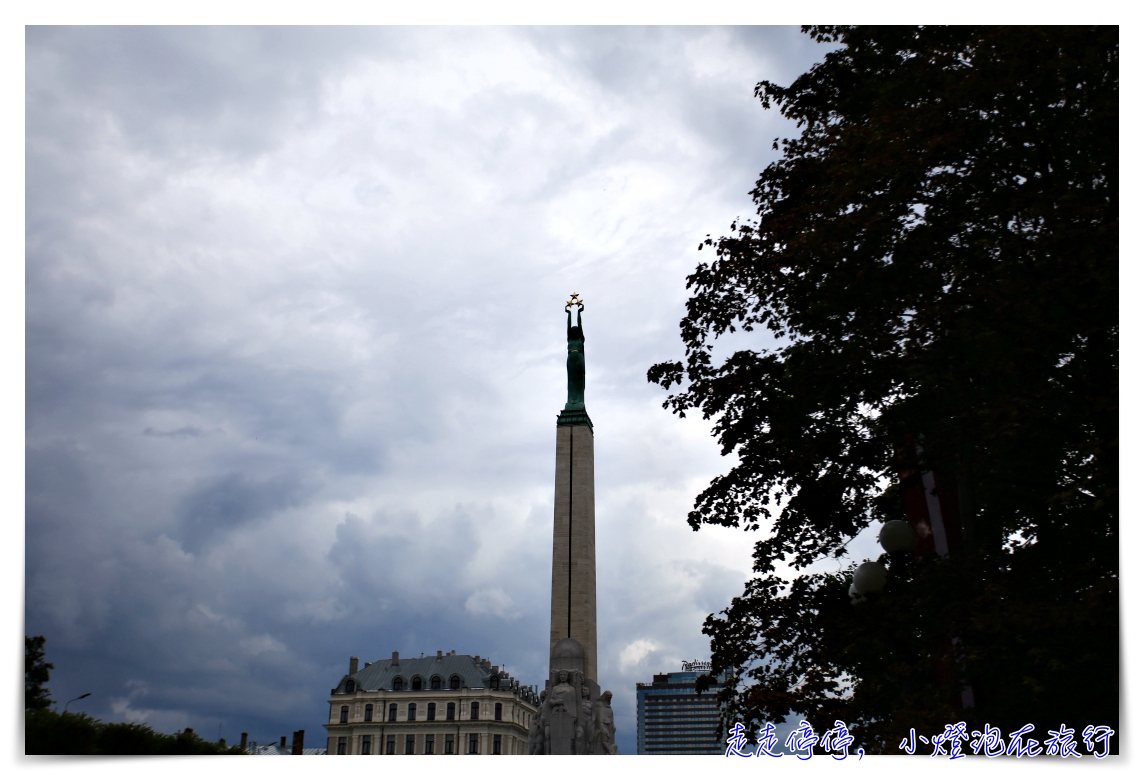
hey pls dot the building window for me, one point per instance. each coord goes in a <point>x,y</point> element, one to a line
<point>341,746</point>
<point>390,745</point>
<point>410,743</point>
<point>369,713</point>
<point>431,711</point>
<point>473,743</point>
<point>454,683</point>
<point>393,711</point>
<point>349,686</point>
<point>366,745</point>
<point>412,712</point>
<point>497,712</point>
<point>398,684</point>
<point>474,711</point>
<point>428,744</point>
<point>448,744</point>
<point>435,683</point>
<point>495,683</point>
<point>416,683</point>
<point>450,711</point>
<point>496,744</point>
<point>345,718</point>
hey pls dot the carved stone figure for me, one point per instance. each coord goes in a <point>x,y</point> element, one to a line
<point>605,726</point>
<point>562,716</point>
<point>546,721</point>
<point>562,694</point>
<point>585,731</point>
<point>537,727</point>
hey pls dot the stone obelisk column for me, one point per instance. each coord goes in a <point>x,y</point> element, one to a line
<point>574,518</point>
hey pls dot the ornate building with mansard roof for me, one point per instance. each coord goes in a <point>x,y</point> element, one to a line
<point>442,705</point>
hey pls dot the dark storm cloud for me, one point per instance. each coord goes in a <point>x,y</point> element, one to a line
<point>225,503</point>
<point>427,557</point>
<point>294,347</point>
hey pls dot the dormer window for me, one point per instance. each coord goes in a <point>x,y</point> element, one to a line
<point>416,683</point>
<point>495,683</point>
<point>455,683</point>
<point>435,683</point>
<point>398,684</point>
<point>350,686</point>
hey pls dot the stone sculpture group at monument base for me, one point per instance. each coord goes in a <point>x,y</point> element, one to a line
<point>574,718</point>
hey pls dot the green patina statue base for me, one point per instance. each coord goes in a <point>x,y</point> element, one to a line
<point>573,417</point>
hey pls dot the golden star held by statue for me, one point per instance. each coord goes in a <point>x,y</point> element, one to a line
<point>576,301</point>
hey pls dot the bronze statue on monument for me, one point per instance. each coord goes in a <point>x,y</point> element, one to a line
<point>575,354</point>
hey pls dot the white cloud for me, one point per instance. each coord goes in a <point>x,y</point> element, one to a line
<point>257,645</point>
<point>162,721</point>
<point>492,601</point>
<point>634,654</point>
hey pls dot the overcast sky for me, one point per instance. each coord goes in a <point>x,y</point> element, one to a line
<point>295,349</point>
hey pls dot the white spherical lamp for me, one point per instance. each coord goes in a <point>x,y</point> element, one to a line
<point>855,596</point>
<point>869,577</point>
<point>897,536</point>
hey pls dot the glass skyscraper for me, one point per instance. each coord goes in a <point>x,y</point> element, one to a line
<point>673,718</point>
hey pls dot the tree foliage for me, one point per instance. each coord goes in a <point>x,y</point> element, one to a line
<point>47,732</point>
<point>37,672</point>
<point>935,260</point>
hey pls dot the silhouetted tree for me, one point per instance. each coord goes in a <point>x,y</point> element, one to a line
<point>36,674</point>
<point>47,732</point>
<point>935,257</point>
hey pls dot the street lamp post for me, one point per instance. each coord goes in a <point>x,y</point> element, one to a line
<point>77,698</point>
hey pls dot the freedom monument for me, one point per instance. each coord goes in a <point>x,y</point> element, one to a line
<point>574,718</point>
